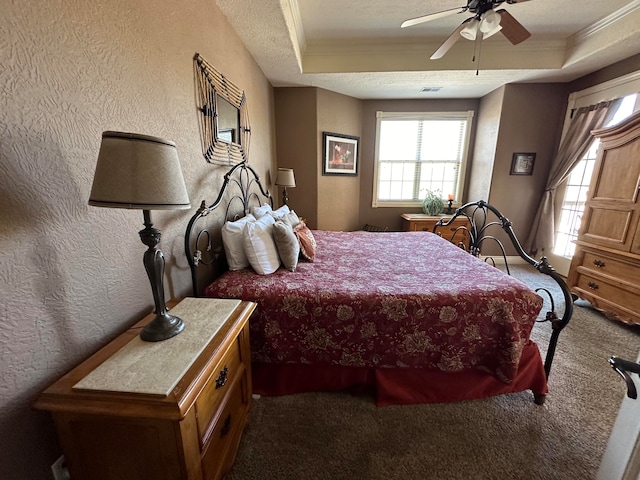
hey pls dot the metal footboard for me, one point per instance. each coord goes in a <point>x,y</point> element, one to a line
<point>482,218</point>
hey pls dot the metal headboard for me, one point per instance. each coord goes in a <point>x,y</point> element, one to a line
<point>479,232</point>
<point>243,185</point>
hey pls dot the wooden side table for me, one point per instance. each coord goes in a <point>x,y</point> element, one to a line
<point>159,410</point>
<point>413,222</point>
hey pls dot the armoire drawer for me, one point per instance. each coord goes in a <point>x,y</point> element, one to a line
<point>606,265</point>
<point>612,294</point>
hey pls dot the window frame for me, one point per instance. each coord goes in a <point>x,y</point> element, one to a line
<point>466,115</point>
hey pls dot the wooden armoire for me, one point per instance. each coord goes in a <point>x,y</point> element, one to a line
<point>605,269</point>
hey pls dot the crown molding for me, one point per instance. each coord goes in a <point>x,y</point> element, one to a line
<point>632,8</point>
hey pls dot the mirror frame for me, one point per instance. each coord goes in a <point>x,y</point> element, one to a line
<point>210,84</point>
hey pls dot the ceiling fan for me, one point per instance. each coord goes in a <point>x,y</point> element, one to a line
<point>486,22</point>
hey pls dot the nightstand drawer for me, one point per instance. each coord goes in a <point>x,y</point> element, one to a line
<point>224,376</point>
<point>225,434</point>
<point>457,233</point>
<point>128,434</point>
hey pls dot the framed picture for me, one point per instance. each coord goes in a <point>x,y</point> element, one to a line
<point>522,163</point>
<point>339,154</point>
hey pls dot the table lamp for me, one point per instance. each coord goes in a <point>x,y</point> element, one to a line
<point>142,172</point>
<point>284,179</point>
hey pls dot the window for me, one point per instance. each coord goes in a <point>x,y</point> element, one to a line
<point>416,152</point>
<point>573,203</point>
<point>578,183</point>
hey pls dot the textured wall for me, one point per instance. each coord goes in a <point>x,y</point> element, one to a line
<point>530,121</point>
<point>390,216</point>
<point>296,133</point>
<point>487,119</point>
<point>71,276</point>
<point>339,194</point>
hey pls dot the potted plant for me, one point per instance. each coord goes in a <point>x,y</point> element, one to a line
<point>432,204</point>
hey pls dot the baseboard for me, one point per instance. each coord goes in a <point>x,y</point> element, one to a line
<point>500,260</point>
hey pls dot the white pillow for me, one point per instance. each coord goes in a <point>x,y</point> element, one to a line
<point>259,245</point>
<point>260,212</point>
<point>233,243</point>
<point>283,210</point>
<point>290,219</point>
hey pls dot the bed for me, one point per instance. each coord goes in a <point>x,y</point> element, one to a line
<point>408,316</point>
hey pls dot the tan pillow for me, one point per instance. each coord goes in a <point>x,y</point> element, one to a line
<point>306,240</point>
<point>287,245</point>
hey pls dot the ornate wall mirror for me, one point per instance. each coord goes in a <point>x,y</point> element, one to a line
<point>224,119</point>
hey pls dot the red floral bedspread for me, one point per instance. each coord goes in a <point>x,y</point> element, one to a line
<point>403,299</point>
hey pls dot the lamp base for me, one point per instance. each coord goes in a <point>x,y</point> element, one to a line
<point>162,327</point>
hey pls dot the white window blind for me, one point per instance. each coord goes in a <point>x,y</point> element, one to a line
<point>416,152</point>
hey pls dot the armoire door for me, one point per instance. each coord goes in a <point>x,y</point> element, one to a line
<point>612,212</point>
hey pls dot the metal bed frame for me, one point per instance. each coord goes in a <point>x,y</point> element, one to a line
<point>243,188</point>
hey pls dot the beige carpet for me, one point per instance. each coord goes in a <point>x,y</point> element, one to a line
<point>340,436</point>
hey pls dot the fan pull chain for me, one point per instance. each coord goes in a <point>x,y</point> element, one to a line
<point>477,47</point>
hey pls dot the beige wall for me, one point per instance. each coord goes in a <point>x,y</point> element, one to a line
<point>484,151</point>
<point>515,118</point>
<point>296,133</point>
<point>71,276</point>
<point>618,69</point>
<point>530,121</point>
<point>339,195</point>
<point>302,115</point>
<point>389,216</point>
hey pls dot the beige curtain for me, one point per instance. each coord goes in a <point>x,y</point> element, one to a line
<point>573,147</point>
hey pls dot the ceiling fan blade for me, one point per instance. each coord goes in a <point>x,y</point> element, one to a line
<point>511,28</point>
<point>432,16</point>
<point>448,43</point>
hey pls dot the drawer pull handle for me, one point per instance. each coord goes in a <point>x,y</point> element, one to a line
<point>226,427</point>
<point>222,378</point>
<point>598,263</point>
<point>593,285</point>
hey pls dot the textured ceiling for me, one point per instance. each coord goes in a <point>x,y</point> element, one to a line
<point>357,47</point>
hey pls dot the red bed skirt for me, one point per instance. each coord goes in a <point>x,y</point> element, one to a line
<point>399,386</point>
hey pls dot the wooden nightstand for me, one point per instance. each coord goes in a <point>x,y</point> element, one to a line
<point>162,410</point>
<point>413,222</point>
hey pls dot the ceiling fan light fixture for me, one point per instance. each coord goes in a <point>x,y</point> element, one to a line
<point>492,32</point>
<point>470,30</point>
<point>490,22</point>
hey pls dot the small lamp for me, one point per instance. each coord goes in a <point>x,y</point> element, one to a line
<point>142,172</point>
<point>284,179</point>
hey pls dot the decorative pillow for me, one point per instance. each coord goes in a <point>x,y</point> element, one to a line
<point>260,246</point>
<point>287,245</point>
<point>306,240</point>
<point>290,219</point>
<point>233,243</point>
<point>283,210</point>
<point>261,211</point>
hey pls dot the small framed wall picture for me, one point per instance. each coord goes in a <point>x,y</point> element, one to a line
<point>340,154</point>
<point>522,163</point>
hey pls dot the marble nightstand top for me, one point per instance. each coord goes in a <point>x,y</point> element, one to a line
<point>156,367</point>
